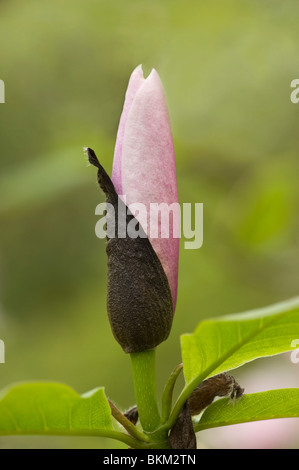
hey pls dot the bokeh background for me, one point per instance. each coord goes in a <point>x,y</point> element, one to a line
<point>226,67</point>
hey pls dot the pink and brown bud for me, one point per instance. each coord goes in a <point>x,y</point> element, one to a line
<point>144,168</point>
<point>142,270</point>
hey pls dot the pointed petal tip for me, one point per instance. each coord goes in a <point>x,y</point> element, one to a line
<point>138,71</point>
<point>154,80</point>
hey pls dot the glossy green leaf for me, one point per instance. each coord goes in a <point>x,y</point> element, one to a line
<point>48,408</point>
<point>224,343</point>
<point>282,403</point>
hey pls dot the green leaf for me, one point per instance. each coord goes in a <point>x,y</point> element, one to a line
<point>56,409</point>
<point>283,403</point>
<point>48,408</point>
<point>224,343</point>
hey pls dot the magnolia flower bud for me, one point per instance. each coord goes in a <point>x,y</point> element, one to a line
<point>142,270</point>
<point>144,165</point>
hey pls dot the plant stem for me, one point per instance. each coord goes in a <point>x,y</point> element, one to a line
<point>130,427</point>
<point>167,394</point>
<point>144,376</point>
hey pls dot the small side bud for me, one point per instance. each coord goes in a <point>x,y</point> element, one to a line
<point>132,414</point>
<point>182,435</point>
<point>221,385</point>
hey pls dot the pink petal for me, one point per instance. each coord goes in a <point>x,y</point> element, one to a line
<point>135,82</point>
<point>148,172</point>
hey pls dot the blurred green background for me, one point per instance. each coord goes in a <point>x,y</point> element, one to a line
<point>226,67</point>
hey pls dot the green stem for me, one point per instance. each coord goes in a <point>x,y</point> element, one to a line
<point>130,427</point>
<point>183,397</point>
<point>144,376</point>
<point>168,392</point>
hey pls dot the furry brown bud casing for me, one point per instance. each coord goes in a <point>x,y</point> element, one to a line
<point>139,300</point>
